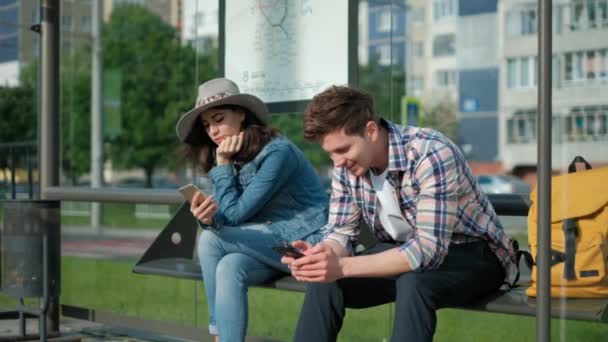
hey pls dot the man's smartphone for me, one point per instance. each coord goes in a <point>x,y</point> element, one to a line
<point>288,250</point>
<point>189,190</point>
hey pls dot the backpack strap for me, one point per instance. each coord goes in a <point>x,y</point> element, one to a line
<point>570,229</point>
<point>518,256</point>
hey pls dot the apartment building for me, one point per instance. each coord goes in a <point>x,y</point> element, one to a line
<point>580,82</point>
<point>18,43</point>
<point>384,36</point>
<point>200,24</point>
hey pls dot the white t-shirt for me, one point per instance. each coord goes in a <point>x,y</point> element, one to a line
<point>388,210</point>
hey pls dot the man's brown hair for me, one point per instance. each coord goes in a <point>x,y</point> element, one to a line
<point>338,107</point>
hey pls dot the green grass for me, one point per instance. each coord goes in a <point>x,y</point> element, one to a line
<point>119,215</point>
<point>110,286</point>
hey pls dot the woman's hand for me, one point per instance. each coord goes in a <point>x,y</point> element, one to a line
<point>203,208</point>
<point>230,146</point>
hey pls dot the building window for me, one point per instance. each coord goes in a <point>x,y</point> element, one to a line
<point>587,123</point>
<point>418,49</point>
<point>528,22</point>
<point>445,78</point>
<point>589,14</point>
<point>86,23</point>
<point>444,45</point>
<point>416,85</point>
<point>586,66</point>
<point>417,15</point>
<point>199,19</point>
<point>35,16</point>
<point>384,54</point>
<point>521,127</point>
<point>445,9</point>
<point>522,21</point>
<point>66,23</point>
<point>522,72</point>
<point>511,73</point>
<point>383,23</point>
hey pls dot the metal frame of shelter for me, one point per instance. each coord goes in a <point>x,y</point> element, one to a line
<point>49,144</point>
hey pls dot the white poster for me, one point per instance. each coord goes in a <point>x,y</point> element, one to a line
<point>286,50</point>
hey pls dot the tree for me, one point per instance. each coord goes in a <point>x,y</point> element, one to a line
<point>442,117</point>
<point>387,85</point>
<point>159,82</point>
<point>76,113</point>
<point>18,115</point>
<point>292,126</point>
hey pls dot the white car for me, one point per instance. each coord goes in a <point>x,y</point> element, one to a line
<point>502,184</point>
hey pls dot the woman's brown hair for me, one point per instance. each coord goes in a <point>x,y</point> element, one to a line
<point>200,149</point>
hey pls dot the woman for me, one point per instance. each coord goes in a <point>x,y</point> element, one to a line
<point>265,192</point>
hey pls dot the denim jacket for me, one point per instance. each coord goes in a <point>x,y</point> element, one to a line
<point>279,187</point>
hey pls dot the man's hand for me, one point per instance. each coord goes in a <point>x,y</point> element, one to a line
<point>203,208</point>
<point>320,264</point>
<point>230,146</point>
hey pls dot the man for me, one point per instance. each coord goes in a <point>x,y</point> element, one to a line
<point>440,241</point>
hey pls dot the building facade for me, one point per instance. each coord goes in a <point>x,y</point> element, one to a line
<point>579,78</point>
<point>200,25</point>
<point>385,36</point>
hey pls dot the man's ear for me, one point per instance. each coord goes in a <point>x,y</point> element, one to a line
<point>371,130</point>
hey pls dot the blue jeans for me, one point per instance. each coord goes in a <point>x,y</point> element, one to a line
<point>232,259</point>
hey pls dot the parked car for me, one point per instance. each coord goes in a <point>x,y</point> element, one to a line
<point>502,184</point>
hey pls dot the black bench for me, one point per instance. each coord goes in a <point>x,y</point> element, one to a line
<point>172,254</point>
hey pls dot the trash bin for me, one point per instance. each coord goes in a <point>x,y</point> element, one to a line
<point>25,223</point>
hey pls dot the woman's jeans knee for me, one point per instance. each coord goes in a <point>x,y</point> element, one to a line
<point>233,259</point>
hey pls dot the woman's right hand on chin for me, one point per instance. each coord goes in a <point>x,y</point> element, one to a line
<point>230,146</point>
<point>203,208</point>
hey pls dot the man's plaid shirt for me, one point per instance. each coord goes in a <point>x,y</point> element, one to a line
<point>437,194</point>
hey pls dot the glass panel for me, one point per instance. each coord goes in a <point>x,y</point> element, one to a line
<point>156,54</point>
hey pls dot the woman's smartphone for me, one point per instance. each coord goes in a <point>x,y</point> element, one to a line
<point>189,190</point>
<point>288,250</point>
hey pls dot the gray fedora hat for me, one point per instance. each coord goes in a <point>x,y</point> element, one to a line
<point>219,92</point>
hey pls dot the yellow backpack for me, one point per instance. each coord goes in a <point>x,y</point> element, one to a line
<point>579,234</point>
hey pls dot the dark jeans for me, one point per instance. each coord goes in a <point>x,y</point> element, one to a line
<point>468,272</point>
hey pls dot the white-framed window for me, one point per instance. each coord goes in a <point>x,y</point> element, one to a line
<point>417,15</point>
<point>384,54</point>
<point>444,45</point>
<point>512,73</point>
<point>586,66</point>
<point>384,21</point>
<point>199,19</point>
<point>588,14</point>
<point>444,9</point>
<point>66,23</point>
<point>417,83</point>
<point>445,78</point>
<point>522,21</point>
<point>587,123</point>
<point>521,127</point>
<point>86,23</point>
<point>418,49</point>
<point>522,72</point>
